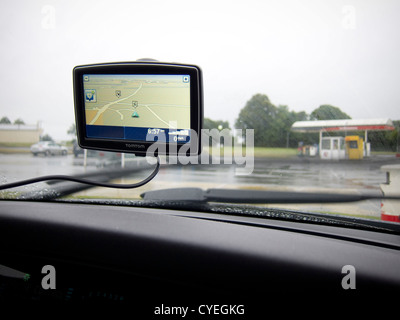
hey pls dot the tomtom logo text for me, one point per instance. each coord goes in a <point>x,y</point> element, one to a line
<point>134,145</point>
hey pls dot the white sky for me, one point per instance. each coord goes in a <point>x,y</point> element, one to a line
<point>300,53</point>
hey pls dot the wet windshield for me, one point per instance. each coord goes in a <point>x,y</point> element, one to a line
<point>299,96</point>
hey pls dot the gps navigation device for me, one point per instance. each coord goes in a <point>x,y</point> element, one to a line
<point>138,107</point>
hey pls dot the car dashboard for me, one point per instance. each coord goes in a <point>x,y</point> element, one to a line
<point>147,257</point>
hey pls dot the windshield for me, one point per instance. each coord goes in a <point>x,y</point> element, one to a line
<point>299,96</point>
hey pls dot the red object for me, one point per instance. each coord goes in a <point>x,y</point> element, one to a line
<point>364,127</point>
<point>389,217</point>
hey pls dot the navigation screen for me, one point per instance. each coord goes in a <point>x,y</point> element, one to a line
<point>137,107</point>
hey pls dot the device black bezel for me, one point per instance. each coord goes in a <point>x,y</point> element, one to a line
<point>116,145</point>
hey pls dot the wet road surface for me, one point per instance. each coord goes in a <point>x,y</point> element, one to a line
<point>298,174</point>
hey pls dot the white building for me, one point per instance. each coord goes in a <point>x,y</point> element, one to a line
<point>20,133</point>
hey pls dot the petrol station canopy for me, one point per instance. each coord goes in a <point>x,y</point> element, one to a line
<point>343,125</point>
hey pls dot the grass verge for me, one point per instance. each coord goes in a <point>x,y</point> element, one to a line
<point>259,152</point>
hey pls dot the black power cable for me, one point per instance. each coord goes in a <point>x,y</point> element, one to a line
<point>85,181</point>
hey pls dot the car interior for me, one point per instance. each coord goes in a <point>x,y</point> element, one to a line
<point>198,244</point>
<point>185,246</point>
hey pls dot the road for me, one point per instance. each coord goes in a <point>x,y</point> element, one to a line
<point>105,107</point>
<point>268,174</point>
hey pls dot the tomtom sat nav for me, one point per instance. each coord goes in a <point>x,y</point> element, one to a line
<point>133,106</point>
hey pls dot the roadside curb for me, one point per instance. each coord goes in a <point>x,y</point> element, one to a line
<point>15,150</point>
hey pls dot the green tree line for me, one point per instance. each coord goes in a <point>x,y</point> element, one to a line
<point>272,125</point>
<point>6,120</point>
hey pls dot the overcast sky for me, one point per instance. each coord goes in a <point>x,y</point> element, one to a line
<point>300,53</point>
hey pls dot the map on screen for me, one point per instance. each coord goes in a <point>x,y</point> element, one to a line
<point>149,103</point>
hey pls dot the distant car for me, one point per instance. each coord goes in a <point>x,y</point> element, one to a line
<point>103,159</point>
<point>77,149</point>
<point>48,148</point>
<point>97,158</point>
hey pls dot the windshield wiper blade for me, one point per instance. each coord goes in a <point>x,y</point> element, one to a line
<point>221,200</point>
<point>256,196</point>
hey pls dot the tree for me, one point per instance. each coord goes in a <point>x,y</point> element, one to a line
<point>385,140</point>
<point>72,130</point>
<point>271,123</point>
<point>219,125</point>
<point>284,122</point>
<point>19,121</point>
<point>215,124</point>
<point>46,137</point>
<point>328,112</point>
<point>5,120</point>
<point>308,138</point>
<point>259,114</point>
